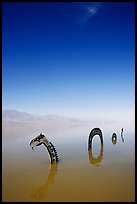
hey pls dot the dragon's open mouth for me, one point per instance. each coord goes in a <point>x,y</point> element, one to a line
<point>38,144</point>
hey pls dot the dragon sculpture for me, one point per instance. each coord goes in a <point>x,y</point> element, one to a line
<point>41,139</point>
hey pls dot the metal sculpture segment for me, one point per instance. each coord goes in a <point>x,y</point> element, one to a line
<point>94,131</point>
<point>95,160</point>
<point>114,138</point>
<point>41,139</point>
<point>122,135</point>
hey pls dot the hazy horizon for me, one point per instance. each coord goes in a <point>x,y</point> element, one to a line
<point>131,117</point>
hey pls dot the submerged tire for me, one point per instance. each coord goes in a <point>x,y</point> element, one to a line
<point>95,160</point>
<point>114,138</point>
<point>94,131</point>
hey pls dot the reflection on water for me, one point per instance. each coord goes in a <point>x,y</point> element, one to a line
<point>95,160</point>
<point>28,176</point>
<point>39,192</point>
<point>114,137</point>
<point>122,137</point>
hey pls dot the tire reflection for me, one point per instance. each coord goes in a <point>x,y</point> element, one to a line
<point>40,192</point>
<point>95,161</point>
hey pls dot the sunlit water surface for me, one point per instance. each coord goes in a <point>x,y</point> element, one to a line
<point>106,173</point>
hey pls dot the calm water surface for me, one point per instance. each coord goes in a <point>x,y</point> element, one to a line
<point>106,173</point>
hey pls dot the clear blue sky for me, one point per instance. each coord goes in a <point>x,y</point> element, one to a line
<point>73,59</point>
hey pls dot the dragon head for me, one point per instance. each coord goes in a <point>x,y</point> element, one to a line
<point>40,139</point>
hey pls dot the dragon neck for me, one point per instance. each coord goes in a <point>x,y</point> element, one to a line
<point>52,152</point>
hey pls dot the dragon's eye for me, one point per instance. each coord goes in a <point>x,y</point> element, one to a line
<point>37,139</point>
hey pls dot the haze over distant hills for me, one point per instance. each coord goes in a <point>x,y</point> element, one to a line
<point>23,117</point>
<point>19,123</point>
<point>22,121</point>
<point>16,116</point>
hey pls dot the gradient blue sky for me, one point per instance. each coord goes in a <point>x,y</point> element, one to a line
<point>72,59</point>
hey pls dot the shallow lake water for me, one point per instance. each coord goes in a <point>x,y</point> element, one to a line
<point>104,173</point>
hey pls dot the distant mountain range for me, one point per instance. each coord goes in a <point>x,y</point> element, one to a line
<point>14,116</point>
<point>15,123</point>
<point>23,117</point>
